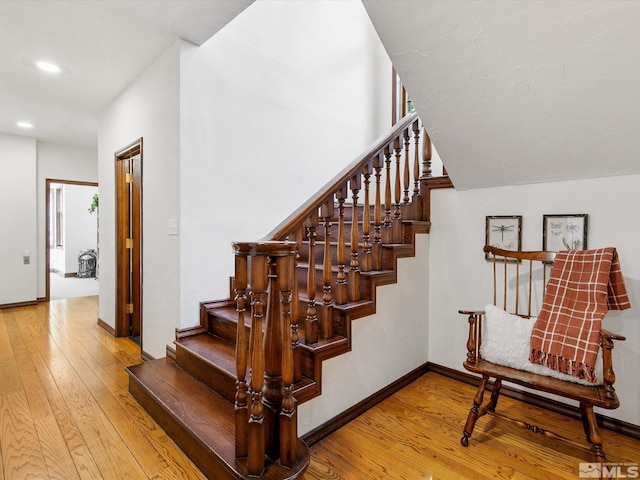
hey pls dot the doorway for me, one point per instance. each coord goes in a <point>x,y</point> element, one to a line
<point>129,242</point>
<point>70,231</point>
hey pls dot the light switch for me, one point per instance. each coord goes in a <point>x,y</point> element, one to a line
<point>173,226</point>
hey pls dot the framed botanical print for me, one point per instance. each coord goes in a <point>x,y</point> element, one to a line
<point>504,232</point>
<point>564,232</point>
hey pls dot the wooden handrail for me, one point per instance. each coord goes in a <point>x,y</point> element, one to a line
<point>325,193</point>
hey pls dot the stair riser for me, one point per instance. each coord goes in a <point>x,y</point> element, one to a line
<point>302,274</point>
<point>320,232</point>
<point>318,253</point>
<point>213,377</point>
<point>225,328</point>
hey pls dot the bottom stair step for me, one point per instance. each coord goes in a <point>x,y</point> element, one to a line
<point>198,420</point>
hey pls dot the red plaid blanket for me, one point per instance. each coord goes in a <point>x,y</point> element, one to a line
<point>583,286</point>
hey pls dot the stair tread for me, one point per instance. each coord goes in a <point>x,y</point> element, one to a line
<point>204,412</point>
<point>222,353</point>
<point>213,349</point>
<point>230,313</point>
<point>207,418</point>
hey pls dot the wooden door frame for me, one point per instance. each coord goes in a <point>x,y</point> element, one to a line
<point>122,323</point>
<point>47,228</point>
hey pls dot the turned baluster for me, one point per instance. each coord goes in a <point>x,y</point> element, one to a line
<point>417,196</point>
<point>426,156</point>
<point>354,265</point>
<point>311,320</point>
<point>241,410</point>
<point>397,212</point>
<point>288,414</point>
<point>326,312</point>
<point>366,262</point>
<point>295,305</point>
<point>256,430</point>
<point>386,232</point>
<point>376,248</point>
<point>406,206</point>
<point>341,279</point>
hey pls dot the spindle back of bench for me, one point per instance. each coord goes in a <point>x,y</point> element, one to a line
<point>519,278</point>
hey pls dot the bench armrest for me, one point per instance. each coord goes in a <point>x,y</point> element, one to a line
<point>610,335</point>
<point>475,335</point>
<point>609,377</point>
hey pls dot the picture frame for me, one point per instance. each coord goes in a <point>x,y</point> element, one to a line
<point>565,232</point>
<point>504,231</point>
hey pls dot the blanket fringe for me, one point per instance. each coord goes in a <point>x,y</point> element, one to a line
<point>563,365</point>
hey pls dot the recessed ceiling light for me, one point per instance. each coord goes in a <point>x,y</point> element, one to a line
<point>48,67</point>
<point>44,65</point>
<point>25,124</point>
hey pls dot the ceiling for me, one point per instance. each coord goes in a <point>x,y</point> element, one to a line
<point>101,46</point>
<point>520,92</point>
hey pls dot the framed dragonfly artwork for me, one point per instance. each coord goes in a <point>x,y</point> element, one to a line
<point>504,232</point>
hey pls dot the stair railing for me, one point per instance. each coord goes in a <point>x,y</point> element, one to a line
<point>266,277</point>
<point>392,166</point>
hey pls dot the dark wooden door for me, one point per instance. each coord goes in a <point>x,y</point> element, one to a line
<point>129,241</point>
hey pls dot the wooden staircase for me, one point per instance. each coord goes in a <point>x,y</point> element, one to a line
<point>295,293</point>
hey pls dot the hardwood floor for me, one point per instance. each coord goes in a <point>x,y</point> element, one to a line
<point>416,433</point>
<point>65,413</point>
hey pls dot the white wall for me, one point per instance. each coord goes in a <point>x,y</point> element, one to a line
<point>272,107</point>
<point>373,364</point>
<point>459,277</point>
<point>80,226</point>
<point>18,218</point>
<point>61,162</point>
<point>149,108</point>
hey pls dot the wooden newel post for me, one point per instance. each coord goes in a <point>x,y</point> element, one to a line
<point>272,405</point>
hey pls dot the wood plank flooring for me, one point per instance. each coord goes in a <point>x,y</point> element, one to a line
<point>416,433</point>
<point>65,409</point>
<point>66,413</point>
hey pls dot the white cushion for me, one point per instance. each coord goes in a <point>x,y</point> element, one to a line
<point>506,341</point>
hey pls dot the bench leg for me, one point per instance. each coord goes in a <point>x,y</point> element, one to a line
<point>493,401</point>
<point>592,432</point>
<point>473,413</point>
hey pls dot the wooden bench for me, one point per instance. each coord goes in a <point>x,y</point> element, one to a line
<point>517,274</point>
